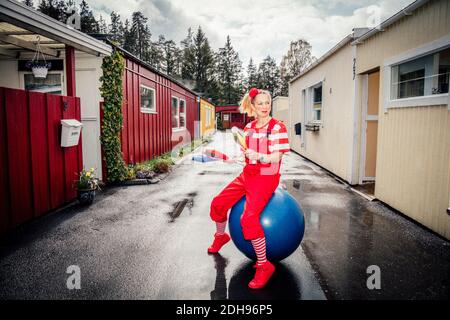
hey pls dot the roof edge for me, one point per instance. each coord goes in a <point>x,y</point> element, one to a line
<point>150,67</point>
<point>330,52</point>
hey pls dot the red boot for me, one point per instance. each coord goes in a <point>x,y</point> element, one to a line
<point>219,241</point>
<point>262,276</point>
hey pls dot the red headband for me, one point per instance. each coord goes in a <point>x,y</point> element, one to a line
<point>253,92</point>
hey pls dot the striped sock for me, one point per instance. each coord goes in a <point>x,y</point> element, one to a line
<point>259,245</point>
<point>220,226</point>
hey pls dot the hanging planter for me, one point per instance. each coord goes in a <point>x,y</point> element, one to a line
<point>39,67</point>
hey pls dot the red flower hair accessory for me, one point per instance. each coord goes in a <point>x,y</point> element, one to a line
<point>253,92</point>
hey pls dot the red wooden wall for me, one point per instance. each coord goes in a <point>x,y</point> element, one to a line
<point>147,135</point>
<point>36,173</point>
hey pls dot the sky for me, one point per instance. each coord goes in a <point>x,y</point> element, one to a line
<point>257,28</point>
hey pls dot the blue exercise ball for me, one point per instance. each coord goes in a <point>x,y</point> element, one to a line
<point>282,220</point>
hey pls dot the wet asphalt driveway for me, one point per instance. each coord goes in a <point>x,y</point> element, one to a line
<point>130,245</point>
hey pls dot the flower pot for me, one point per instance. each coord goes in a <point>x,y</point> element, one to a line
<point>40,71</point>
<point>86,196</point>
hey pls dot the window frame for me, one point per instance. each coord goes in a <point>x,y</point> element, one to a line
<point>310,105</point>
<point>178,128</point>
<point>408,56</point>
<point>144,109</point>
<point>60,72</point>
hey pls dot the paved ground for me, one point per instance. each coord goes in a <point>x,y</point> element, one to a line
<point>128,245</point>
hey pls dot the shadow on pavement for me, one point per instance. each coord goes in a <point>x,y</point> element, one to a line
<point>283,285</point>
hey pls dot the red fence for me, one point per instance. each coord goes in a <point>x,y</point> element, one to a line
<point>36,173</point>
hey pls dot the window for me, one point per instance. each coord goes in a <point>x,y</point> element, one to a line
<point>208,117</point>
<point>51,84</point>
<point>148,104</point>
<point>421,77</point>
<point>178,113</point>
<point>182,113</point>
<point>174,113</point>
<point>317,102</point>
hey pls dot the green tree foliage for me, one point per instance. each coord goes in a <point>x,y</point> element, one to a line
<point>170,57</point>
<point>88,22</point>
<point>188,60</point>
<point>28,3</point>
<point>116,28</point>
<point>269,76</point>
<point>251,80</point>
<point>229,74</point>
<point>203,68</point>
<point>293,62</point>
<point>54,8</point>
<point>140,35</point>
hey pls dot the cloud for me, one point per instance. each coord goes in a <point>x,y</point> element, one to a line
<point>257,28</point>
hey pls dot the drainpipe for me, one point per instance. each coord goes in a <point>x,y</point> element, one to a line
<point>199,115</point>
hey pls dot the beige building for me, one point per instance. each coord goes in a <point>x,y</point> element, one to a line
<point>322,100</point>
<point>280,109</point>
<point>403,72</point>
<point>376,108</point>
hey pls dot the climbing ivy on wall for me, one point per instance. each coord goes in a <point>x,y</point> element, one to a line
<point>111,91</point>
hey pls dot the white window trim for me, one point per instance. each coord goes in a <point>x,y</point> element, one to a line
<point>310,103</point>
<point>430,100</point>
<point>148,110</point>
<point>178,128</point>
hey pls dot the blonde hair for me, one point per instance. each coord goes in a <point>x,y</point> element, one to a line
<point>246,103</point>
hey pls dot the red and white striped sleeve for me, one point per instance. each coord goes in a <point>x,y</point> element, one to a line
<point>279,139</point>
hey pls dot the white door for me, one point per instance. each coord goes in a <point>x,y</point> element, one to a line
<point>87,90</point>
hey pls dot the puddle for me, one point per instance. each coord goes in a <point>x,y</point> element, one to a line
<point>179,206</point>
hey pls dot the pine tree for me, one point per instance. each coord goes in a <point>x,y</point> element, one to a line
<point>28,3</point>
<point>204,61</point>
<point>170,56</point>
<point>293,62</point>
<point>252,76</point>
<point>128,40</point>
<point>116,28</point>
<point>269,76</point>
<point>54,8</point>
<point>188,57</point>
<point>88,22</point>
<point>102,27</point>
<point>155,54</point>
<point>141,35</point>
<point>229,68</point>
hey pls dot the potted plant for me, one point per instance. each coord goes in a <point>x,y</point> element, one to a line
<point>39,67</point>
<point>87,184</point>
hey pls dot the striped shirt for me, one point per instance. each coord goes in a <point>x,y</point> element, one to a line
<point>270,138</point>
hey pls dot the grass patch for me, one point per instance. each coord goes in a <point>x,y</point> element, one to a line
<point>162,163</point>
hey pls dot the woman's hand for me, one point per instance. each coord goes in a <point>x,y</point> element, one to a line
<point>251,155</point>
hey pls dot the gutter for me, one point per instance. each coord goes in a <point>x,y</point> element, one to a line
<point>341,44</point>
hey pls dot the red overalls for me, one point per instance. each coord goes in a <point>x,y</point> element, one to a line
<point>257,185</point>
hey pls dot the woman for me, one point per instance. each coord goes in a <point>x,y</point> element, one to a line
<point>267,141</point>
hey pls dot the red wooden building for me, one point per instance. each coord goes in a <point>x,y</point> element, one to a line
<point>38,173</point>
<point>158,111</point>
<point>232,117</point>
